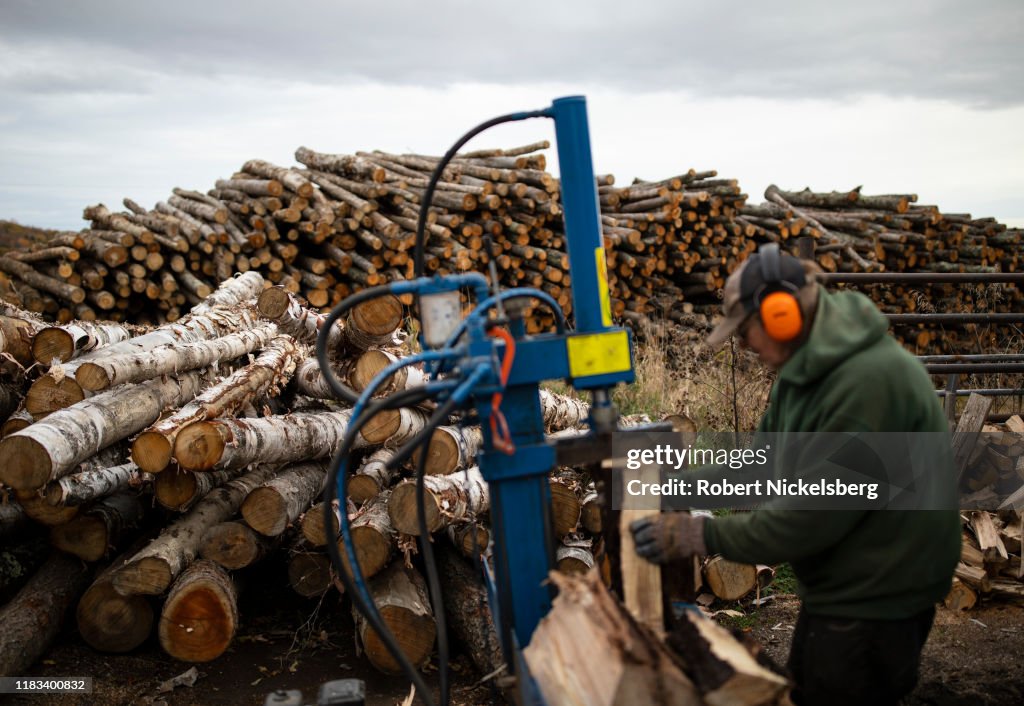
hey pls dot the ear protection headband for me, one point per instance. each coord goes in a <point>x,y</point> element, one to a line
<point>773,293</point>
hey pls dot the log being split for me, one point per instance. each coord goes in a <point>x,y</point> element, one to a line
<point>372,476</point>
<point>85,486</point>
<point>50,449</point>
<point>117,369</point>
<point>270,508</point>
<point>32,619</point>
<point>62,343</point>
<point>372,536</point>
<point>448,499</point>
<point>614,661</point>
<point>152,450</point>
<point>200,615</point>
<point>92,534</point>
<point>232,443</point>
<point>400,594</point>
<point>566,502</point>
<point>152,570</point>
<point>234,545</point>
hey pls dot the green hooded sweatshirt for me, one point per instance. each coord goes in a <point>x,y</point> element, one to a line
<point>850,376</point>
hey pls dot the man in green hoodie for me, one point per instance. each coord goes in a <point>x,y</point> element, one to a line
<point>868,579</point>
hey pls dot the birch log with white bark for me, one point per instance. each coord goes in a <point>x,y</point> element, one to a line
<point>230,443</point>
<point>16,338</point>
<point>273,506</point>
<point>62,343</point>
<point>310,380</point>
<point>88,485</point>
<point>237,290</point>
<point>562,412</point>
<point>372,362</point>
<point>312,525</point>
<point>50,449</point>
<point>394,426</point>
<point>401,595</point>
<point>119,369</point>
<point>448,499</point>
<point>373,536</point>
<point>152,450</point>
<point>152,570</point>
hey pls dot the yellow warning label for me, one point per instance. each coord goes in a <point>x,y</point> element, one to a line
<point>602,286</point>
<point>598,353</point>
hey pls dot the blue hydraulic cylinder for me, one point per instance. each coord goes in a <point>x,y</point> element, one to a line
<point>591,305</point>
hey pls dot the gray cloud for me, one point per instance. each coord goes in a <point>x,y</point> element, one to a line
<point>963,52</point>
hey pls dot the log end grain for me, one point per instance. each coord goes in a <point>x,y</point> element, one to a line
<point>38,508</point>
<point>415,633</point>
<point>382,426</point>
<point>47,395</point>
<point>198,446</point>
<point>273,302</point>
<point>51,344</point>
<point>402,509</point>
<point>312,525</point>
<point>92,377</point>
<point>309,573</point>
<point>86,537</point>
<point>233,545</point>
<point>266,511</point>
<point>378,317</point>
<point>443,455</point>
<point>362,489</point>
<point>366,368</point>
<point>111,622</point>
<point>200,616</point>
<point>373,551</point>
<point>152,451</point>
<point>26,465</point>
<point>14,425</point>
<point>175,489</point>
<point>729,580</point>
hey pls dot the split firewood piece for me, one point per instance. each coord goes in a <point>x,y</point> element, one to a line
<point>470,538</point>
<point>989,541</point>
<point>273,506</point>
<point>152,570</point>
<point>118,369</point>
<point>372,476</point>
<point>562,412</point>
<point>451,449</point>
<point>109,621</point>
<point>179,490</point>
<point>234,545</point>
<point>50,449</point>
<point>152,450</point>
<point>373,537</point>
<point>200,616</point>
<point>372,362</point>
<point>35,615</point>
<point>615,661</point>
<point>16,338</point>
<point>974,576</point>
<point>220,444</point>
<point>62,343</point>
<point>400,594</point>
<point>729,580</point>
<point>370,324</point>
<point>448,499</point>
<point>960,596</point>
<point>467,609</point>
<point>574,556</point>
<point>90,535</point>
<point>309,572</point>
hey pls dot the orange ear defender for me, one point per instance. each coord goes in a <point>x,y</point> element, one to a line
<point>769,286</point>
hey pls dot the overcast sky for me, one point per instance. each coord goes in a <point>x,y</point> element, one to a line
<point>106,99</point>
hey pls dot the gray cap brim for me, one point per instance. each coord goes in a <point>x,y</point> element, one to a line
<point>726,327</point>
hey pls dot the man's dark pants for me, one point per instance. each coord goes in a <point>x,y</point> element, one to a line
<point>839,661</point>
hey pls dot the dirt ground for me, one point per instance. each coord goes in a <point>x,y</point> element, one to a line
<point>292,643</point>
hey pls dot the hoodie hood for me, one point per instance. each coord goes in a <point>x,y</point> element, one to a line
<point>845,323</point>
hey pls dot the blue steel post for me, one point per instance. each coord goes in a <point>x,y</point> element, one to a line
<point>582,213</point>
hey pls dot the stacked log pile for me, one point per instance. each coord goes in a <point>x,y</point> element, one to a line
<point>338,223</point>
<point>990,559</point>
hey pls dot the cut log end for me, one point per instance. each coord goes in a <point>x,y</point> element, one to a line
<point>111,622</point>
<point>273,302</point>
<point>415,633</point>
<point>27,465</point>
<point>149,576</point>
<point>86,537</point>
<point>373,551</point>
<point>233,545</point>
<point>382,426</point>
<point>266,511</point>
<point>92,377</point>
<point>198,446</point>
<point>366,368</point>
<point>200,615</point>
<point>52,344</point>
<point>47,395</point>
<point>402,509</point>
<point>379,316</point>
<point>309,574</point>
<point>152,451</point>
<point>362,488</point>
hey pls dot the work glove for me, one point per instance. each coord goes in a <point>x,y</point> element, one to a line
<point>671,536</point>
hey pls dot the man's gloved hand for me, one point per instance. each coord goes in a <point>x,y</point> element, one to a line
<point>668,537</point>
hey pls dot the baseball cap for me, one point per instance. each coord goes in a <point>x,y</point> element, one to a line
<point>745,284</point>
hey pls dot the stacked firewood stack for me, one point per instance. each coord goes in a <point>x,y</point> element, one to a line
<point>338,223</point>
<point>990,559</point>
<point>199,447</point>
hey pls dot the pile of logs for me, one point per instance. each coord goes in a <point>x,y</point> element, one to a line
<point>199,447</point>
<point>990,559</point>
<point>338,223</point>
